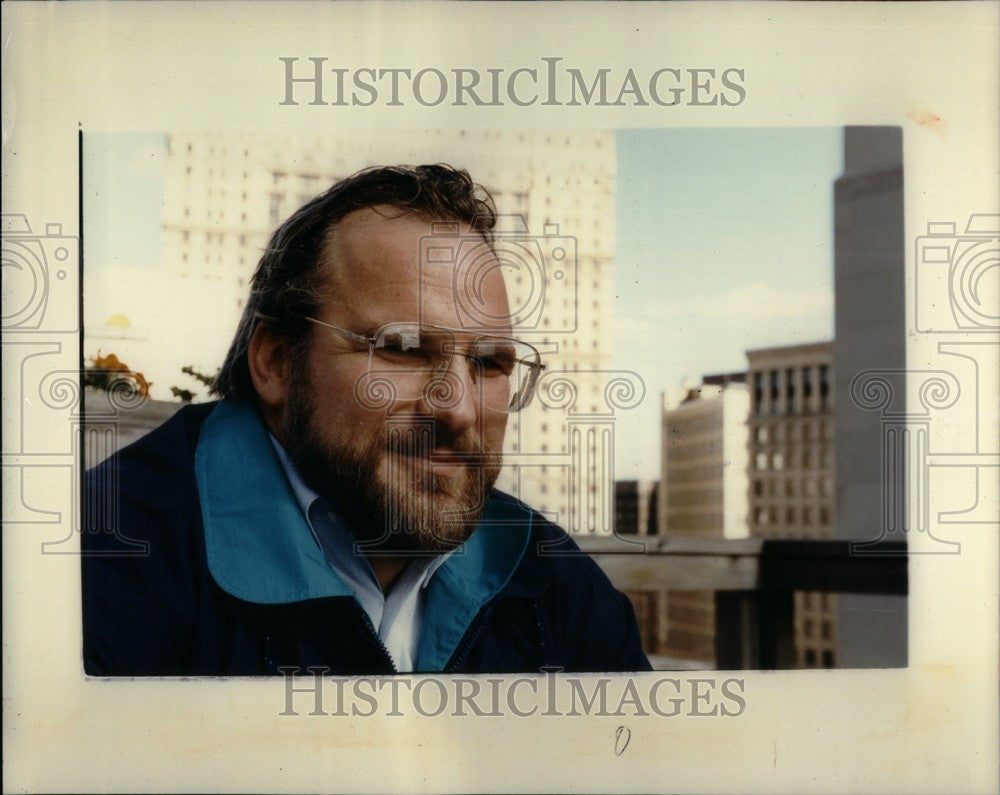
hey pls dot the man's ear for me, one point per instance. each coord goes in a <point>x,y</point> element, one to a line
<point>269,361</point>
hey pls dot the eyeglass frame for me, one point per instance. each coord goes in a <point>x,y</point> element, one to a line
<point>535,368</point>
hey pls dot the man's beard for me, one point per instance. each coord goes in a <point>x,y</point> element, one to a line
<point>385,491</point>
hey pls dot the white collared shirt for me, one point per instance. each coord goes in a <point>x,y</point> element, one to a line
<point>396,618</point>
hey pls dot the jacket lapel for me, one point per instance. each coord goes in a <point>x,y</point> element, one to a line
<point>258,543</point>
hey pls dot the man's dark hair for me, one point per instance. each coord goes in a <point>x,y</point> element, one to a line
<point>286,285</point>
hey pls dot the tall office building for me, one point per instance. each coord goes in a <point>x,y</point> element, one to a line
<point>703,491</point>
<point>870,335</point>
<point>226,193</point>
<point>791,488</point>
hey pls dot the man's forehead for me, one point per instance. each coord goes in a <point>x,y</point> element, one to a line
<point>360,237</point>
<point>382,258</point>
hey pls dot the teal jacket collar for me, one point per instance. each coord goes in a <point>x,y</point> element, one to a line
<point>260,548</point>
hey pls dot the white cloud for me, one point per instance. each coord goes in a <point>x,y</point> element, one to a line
<point>750,316</point>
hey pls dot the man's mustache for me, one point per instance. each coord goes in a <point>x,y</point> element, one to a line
<point>428,442</point>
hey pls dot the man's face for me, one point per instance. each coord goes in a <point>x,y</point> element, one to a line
<point>411,473</point>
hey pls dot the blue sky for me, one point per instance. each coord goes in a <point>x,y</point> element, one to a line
<point>724,244</point>
<point>722,225</point>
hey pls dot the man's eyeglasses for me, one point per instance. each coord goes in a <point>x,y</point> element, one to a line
<point>505,369</point>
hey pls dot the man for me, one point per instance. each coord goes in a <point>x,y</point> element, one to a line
<point>335,509</point>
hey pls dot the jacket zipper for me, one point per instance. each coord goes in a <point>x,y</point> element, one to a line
<point>366,624</point>
<point>363,622</point>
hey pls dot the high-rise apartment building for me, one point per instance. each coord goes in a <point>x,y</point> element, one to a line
<point>555,192</point>
<point>703,491</point>
<point>704,463</point>
<point>791,476</point>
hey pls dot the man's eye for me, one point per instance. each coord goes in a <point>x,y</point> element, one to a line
<point>494,364</point>
<point>401,349</point>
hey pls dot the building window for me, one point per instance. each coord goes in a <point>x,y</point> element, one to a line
<point>824,386</point>
<point>828,659</point>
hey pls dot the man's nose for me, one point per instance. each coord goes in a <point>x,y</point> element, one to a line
<point>452,396</point>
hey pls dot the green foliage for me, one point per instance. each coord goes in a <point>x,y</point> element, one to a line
<point>187,395</point>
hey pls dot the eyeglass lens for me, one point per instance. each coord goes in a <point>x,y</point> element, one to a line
<point>500,366</point>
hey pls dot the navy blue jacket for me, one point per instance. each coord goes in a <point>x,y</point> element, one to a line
<point>197,561</point>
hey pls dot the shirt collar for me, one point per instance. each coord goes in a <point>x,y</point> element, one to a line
<point>304,495</point>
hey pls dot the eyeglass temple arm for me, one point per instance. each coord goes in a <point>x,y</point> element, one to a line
<point>358,338</point>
